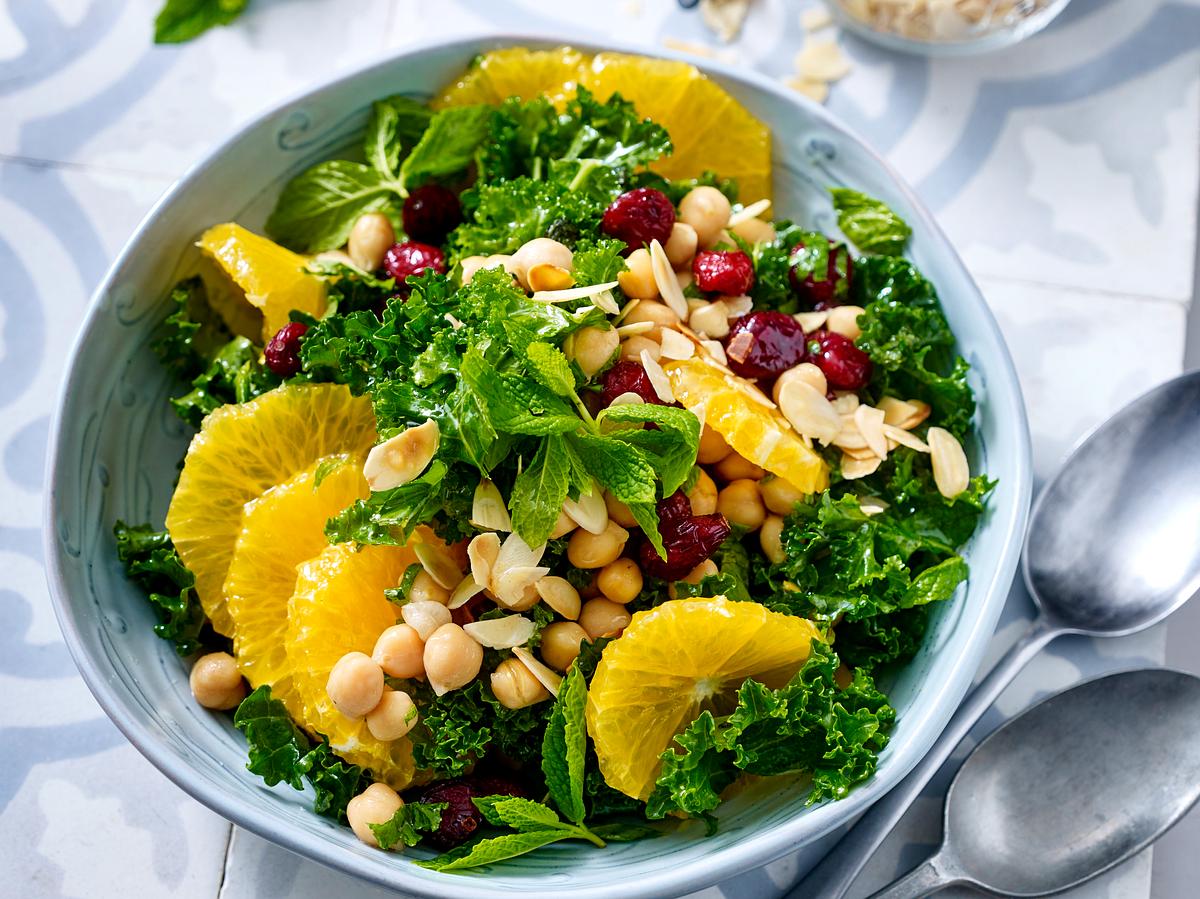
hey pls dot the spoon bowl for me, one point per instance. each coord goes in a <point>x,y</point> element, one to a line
<point>1114,540</point>
<point>1070,788</point>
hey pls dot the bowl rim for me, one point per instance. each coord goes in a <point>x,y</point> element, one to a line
<point>755,850</point>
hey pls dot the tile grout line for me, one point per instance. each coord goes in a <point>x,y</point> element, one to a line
<point>38,163</point>
<point>981,278</point>
<point>225,861</point>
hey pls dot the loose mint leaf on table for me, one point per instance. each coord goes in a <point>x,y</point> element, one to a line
<point>495,849</point>
<point>539,490</point>
<point>151,562</point>
<point>564,747</point>
<point>182,20</point>
<point>319,206</point>
<point>448,145</point>
<point>406,826</point>
<point>870,224</point>
<point>275,744</point>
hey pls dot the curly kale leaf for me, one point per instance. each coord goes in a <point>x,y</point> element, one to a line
<point>151,562</point>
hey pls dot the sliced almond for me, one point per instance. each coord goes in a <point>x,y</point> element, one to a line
<point>402,458</point>
<point>514,586</point>
<point>853,469</point>
<point>633,329</point>
<point>815,19</point>
<point>606,302</point>
<point>665,280</point>
<point>845,403</point>
<point>546,276</point>
<point>424,616</point>
<point>862,453</point>
<point>739,346</point>
<point>822,61</point>
<point>950,470</point>
<point>849,437</point>
<point>624,311</point>
<point>813,88</point>
<point>438,564</point>
<point>916,418</point>
<point>736,307</point>
<point>501,633</point>
<point>658,378</point>
<point>753,211</point>
<point>488,511</point>
<point>549,679</point>
<point>869,421</point>
<point>808,411</point>
<point>715,351</point>
<point>811,321</point>
<point>572,293</point>
<point>467,589</point>
<point>676,346</point>
<point>516,553</point>
<point>482,551</point>
<point>905,438</point>
<point>710,319</point>
<point>896,411</point>
<point>628,398</point>
<point>872,505</point>
<point>589,511</point>
<point>560,595</point>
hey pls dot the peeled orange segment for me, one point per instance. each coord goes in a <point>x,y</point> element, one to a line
<point>242,451</point>
<point>280,530</point>
<point>339,607</point>
<point>711,131</point>
<point>758,432</point>
<point>675,661</point>
<point>272,277</point>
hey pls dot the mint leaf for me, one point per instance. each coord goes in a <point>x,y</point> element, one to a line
<point>520,813</point>
<point>275,744</point>
<point>152,563</point>
<point>620,467</point>
<point>496,849</point>
<point>319,206</point>
<point>671,448</point>
<point>406,826</point>
<point>870,224</point>
<point>396,122</point>
<point>539,490</point>
<point>181,20</point>
<point>564,747</point>
<point>517,405</point>
<point>448,145</point>
<point>551,368</point>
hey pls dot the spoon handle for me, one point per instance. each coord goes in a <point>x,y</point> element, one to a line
<point>927,877</point>
<point>833,876</point>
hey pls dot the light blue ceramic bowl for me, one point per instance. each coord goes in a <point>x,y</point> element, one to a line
<point>115,446</point>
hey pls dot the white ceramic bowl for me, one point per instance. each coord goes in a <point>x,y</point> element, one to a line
<point>115,445</point>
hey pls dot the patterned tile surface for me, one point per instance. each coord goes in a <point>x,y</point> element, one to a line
<point>1065,170</point>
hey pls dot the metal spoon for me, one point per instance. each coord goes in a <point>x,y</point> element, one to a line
<point>1070,788</point>
<point>1113,547</point>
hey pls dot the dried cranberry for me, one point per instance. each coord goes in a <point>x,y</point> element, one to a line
<point>844,365</point>
<point>430,213</point>
<point>688,539</point>
<point>764,344</point>
<point>412,258</point>
<point>283,350</point>
<point>821,275</point>
<point>729,272</point>
<point>460,817</point>
<point>674,508</point>
<point>628,376</point>
<point>640,216</point>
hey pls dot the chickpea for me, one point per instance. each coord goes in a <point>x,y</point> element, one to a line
<point>755,230</point>
<point>684,279</point>
<point>707,210</point>
<point>539,250</point>
<point>711,319</point>
<point>496,260</point>
<point>589,590</point>
<point>377,804</point>
<point>806,372</point>
<point>633,346</point>
<point>620,580</point>
<point>734,467</point>
<point>216,682</point>
<point>399,651</point>
<point>395,716</point>
<point>603,617</point>
<point>515,686</point>
<point>703,496</point>
<point>618,511</point>
<point>681,245</point>
<point>658,314</point>
<point>452,658</point>
<point>705,569</point>
<point>741,503</point>
<point>638,283</point>
<point>591,348</point>
<point>370,238</point>
<point>586,550</point>
<point>779,495</point>
<point>355,684</point>
<point>561,642</point>
<point>426,589</point>
<point>713,447</point>
<point>563,526</point>
<point>844,320</point>
<point>769,538</point>
<point>469,266</point>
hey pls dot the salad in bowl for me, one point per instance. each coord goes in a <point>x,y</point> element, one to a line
<point>544,486</point>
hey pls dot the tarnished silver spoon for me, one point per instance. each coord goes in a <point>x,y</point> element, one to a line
<point>1113,547</point>
<point>1070,788</point>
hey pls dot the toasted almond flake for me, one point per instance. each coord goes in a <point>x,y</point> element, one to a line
<point>870,424</point>
<point>724,17</point>
<point>853,469</point>
<point>516,553</point>
<point>658,378</point>
<point>572,293</point>
<point>739,347</point>
<point>950,470</point>
<point>872,505</point>
<point>559,595</point>
<point>628,398</point>
<point>467,589</point>
<point>511,584</point>
<point>501,633</point>
<point>849,436</point>
<point>455,324</point>
<point>821,61</point>
<point>811,321</point>
<point>402,458</point>
<point>488,511</point>
<point>896,411</point>
<point>606,302</point>
<point>922,412</point>
<point>808,411</point>
<point>815,18</point>
<point>736,307</point>
<point>547,678</point>
<point>905,438</point>
<point>864,453</point>
<point>635,328</point>
<point>438,565</point>
<point>625,310</point>
<point>716,352</point>
<point>682,46</point>
<point>676,346</point>
<point>665,280</point>
<point>483,551</point>
<point>813,88</point>
<point>589,511</point>
<point>753,211</point>
<point>845,403</point>
<point>424,616</point>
